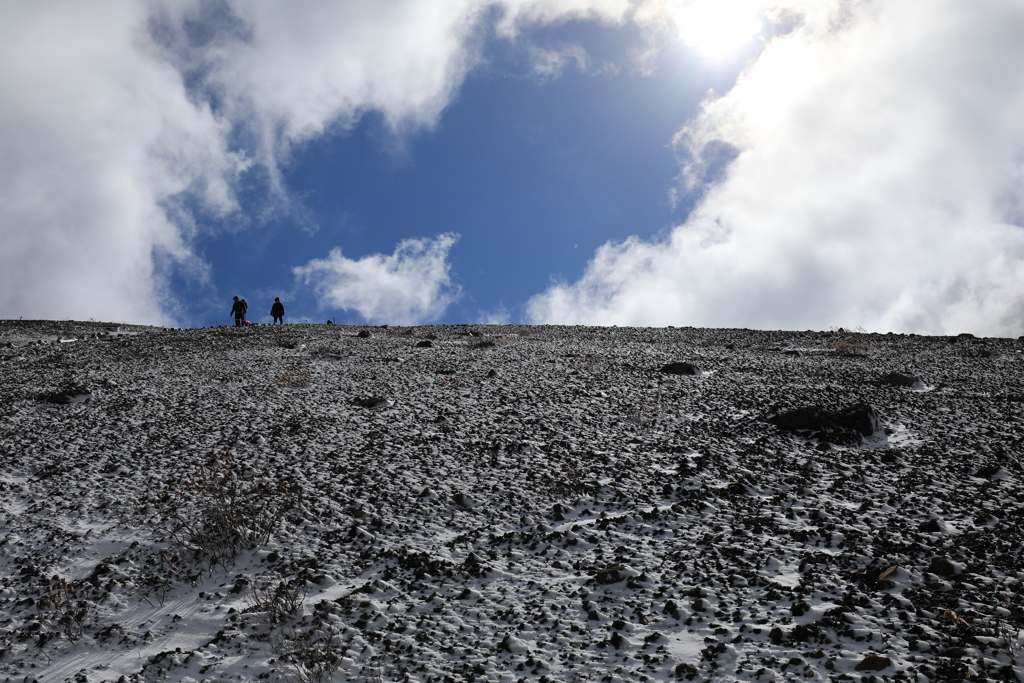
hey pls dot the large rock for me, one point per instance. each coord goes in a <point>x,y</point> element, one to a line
<point>809,418</point>
<point>680,369</point>
<point>841,426</point>
<point>897,379</point>
<point>373,402</point>
<point>860,418</point>
<point>68,396</point>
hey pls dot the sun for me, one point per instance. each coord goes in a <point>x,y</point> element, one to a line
<point>718,28</point>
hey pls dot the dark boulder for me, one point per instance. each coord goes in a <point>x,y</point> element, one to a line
<point>809,418</point>
<point>940,566</point>
<point>70,395</point>
<point>860,418</point>
<point>873,662</point>
<point>373,402</point>
<point>896,379</point>
<point>680,369</point>
<point>612,574</point>
<point>841,426</point>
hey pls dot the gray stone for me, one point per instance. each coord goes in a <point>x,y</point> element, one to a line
<point>873,662</point>
<point>680,369</point>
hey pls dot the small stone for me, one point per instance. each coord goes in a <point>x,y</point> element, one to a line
<point>684,669</point>
<point>888,574</point>
<point>942,567</point>
<point>873,662</point>
<point>610,574</point>
<point>364,334</point>
<point>464,500</point>
<point>425,344</point>
<point>373,402</point>
<point>930,527</point>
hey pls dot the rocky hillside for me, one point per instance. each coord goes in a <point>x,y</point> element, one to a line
<point>508,503</point>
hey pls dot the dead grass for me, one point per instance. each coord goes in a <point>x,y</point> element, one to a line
<point>850,348</point>
<point>298,377</point>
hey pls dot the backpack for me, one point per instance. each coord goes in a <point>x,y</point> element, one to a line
<point>245,306</point>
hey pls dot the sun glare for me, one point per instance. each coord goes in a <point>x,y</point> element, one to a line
<point>718,28</point>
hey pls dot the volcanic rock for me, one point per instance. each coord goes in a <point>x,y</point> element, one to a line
<point>612,574</point>
<point>897,379</point>
<point>680,368</point>
<point>873,662</point>
<point>585,470</point>
<point>858,420</point>
<point>941,566</point>
<point>373,402</point>
<point>68,396</point>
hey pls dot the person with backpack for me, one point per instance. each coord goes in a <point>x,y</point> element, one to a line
<point>277,310</point>
<point>238,310</point>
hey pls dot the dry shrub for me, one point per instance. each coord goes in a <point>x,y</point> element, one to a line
<point>850,349</point>
<point>277,600</point>
<point>488,343</point>
<point>220,510</point>
<point>296,378</point>
<point>63,609</point>
<point>310,653</point>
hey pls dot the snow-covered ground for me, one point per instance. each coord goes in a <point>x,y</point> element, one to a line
<point>507,504</point>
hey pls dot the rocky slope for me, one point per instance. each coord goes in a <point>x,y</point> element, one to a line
<point>508,503</point>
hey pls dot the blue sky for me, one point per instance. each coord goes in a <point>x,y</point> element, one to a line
<point>533,173</point>
<point>769,164</point>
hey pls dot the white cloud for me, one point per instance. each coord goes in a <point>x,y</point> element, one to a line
<point>876,181</point>
<point>549,63</point>
<point>119,118</point>
<point>94,136</point>
<point>411,286</point>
